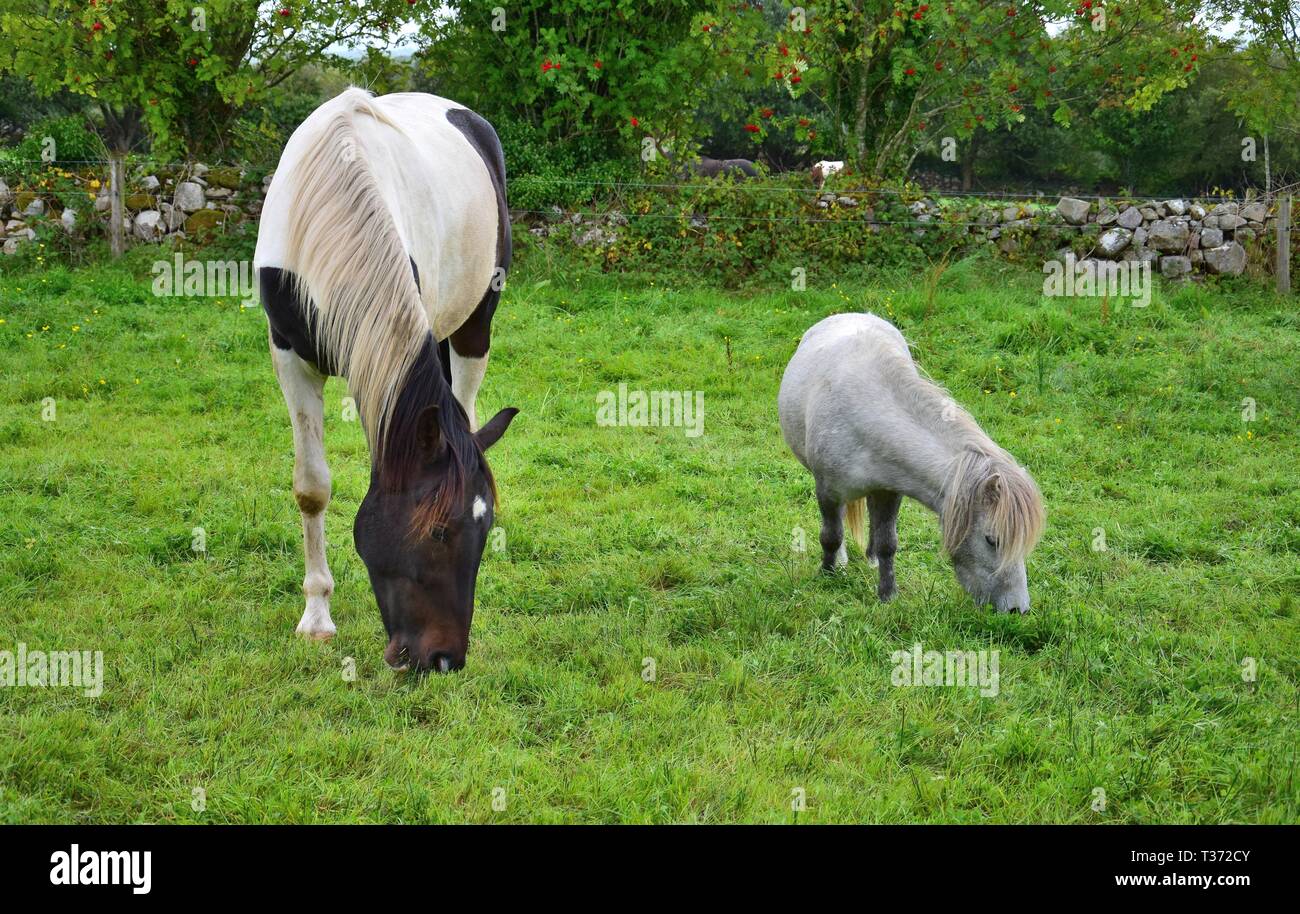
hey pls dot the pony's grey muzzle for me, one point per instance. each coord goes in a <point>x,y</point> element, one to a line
<point>1013,604</point>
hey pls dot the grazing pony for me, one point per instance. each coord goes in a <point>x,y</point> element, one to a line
<point>383,244</point>
<point>857,413</point>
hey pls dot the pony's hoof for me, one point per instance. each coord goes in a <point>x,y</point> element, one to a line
<point>323,634</point>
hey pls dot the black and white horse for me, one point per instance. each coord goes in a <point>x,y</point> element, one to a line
<point>383,243</point>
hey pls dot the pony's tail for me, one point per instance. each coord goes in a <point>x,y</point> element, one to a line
<point>348,260</point>
<point>854,519</point>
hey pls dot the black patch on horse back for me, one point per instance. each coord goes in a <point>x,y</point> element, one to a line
<point>474,336</point>
<point>290,328</point>
<point>415,271</point>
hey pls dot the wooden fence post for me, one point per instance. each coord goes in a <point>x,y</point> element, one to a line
<point>1284,246</point>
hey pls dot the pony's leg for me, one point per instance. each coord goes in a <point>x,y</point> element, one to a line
<point>882,507</point>
<point>466,377</point>
<point>303,388</point>
<point>834,554</point>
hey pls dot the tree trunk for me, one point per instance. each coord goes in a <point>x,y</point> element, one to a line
<point>968,163</point>
<point>117,206</point>
<point>860,119</point>
<point>1268,169</point>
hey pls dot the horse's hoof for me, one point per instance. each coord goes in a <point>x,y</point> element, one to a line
<point>316,631</point>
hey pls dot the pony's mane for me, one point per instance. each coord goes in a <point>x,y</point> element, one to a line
<point>988,473</point>
<point>1017,514</point>
<point>348,261</point>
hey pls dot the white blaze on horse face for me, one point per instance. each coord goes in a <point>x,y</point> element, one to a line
<point>480,507</point>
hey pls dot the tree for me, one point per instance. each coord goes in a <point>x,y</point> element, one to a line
<point>1263,63</point>
<point>179,70</point>
<point>569,68</point>
<point>889,74</point>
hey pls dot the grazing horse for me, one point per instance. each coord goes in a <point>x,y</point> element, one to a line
<point>858,414</point>
<point>383,243</point>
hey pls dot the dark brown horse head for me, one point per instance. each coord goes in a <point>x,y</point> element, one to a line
<point>422,527</point>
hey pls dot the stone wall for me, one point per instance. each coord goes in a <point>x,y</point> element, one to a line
<point>185,201</point>
<point>1179,237</point>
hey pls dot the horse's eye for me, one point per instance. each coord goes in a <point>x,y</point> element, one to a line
<point>991,541</point>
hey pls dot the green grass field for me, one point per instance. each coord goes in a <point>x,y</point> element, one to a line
<point>626,543</point>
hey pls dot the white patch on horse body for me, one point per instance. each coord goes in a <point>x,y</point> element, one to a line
<point>480,507</point>
<point>466,378</point>
<point>431,181</point>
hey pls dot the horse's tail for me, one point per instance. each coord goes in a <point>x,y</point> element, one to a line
<point>854,516</point>
<point>348,260</point>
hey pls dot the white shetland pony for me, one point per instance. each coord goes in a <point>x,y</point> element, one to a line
<point>858,414</point>
<point>383,244</point>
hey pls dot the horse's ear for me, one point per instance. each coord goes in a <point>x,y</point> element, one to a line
<point>489,434</point>
<point>428,432</point>
<point>994,488</point>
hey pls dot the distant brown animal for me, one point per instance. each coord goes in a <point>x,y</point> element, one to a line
<point>712,168</point>
<point>707,167</point>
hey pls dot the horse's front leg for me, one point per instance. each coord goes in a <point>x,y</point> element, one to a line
<point>303,387</point>
<point>467,373</point>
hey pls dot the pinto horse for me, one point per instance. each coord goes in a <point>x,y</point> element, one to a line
<point>383,244</point>
<point>858,414</point>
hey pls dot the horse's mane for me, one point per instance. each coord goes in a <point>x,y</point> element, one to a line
<point>404,452</point>
<point>354,282</point>
<point>348,261</point>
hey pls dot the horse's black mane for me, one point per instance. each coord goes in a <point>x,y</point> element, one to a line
<point>402,453</point>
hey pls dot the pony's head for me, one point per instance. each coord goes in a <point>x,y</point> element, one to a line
<point>421,531</point>
<point>992,518</point>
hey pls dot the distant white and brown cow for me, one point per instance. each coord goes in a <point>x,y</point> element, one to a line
<point>823,170</point>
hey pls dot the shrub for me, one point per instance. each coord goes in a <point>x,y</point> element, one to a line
<point>541,174</point>
<point>733,232</point>
<point>73,141</point>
